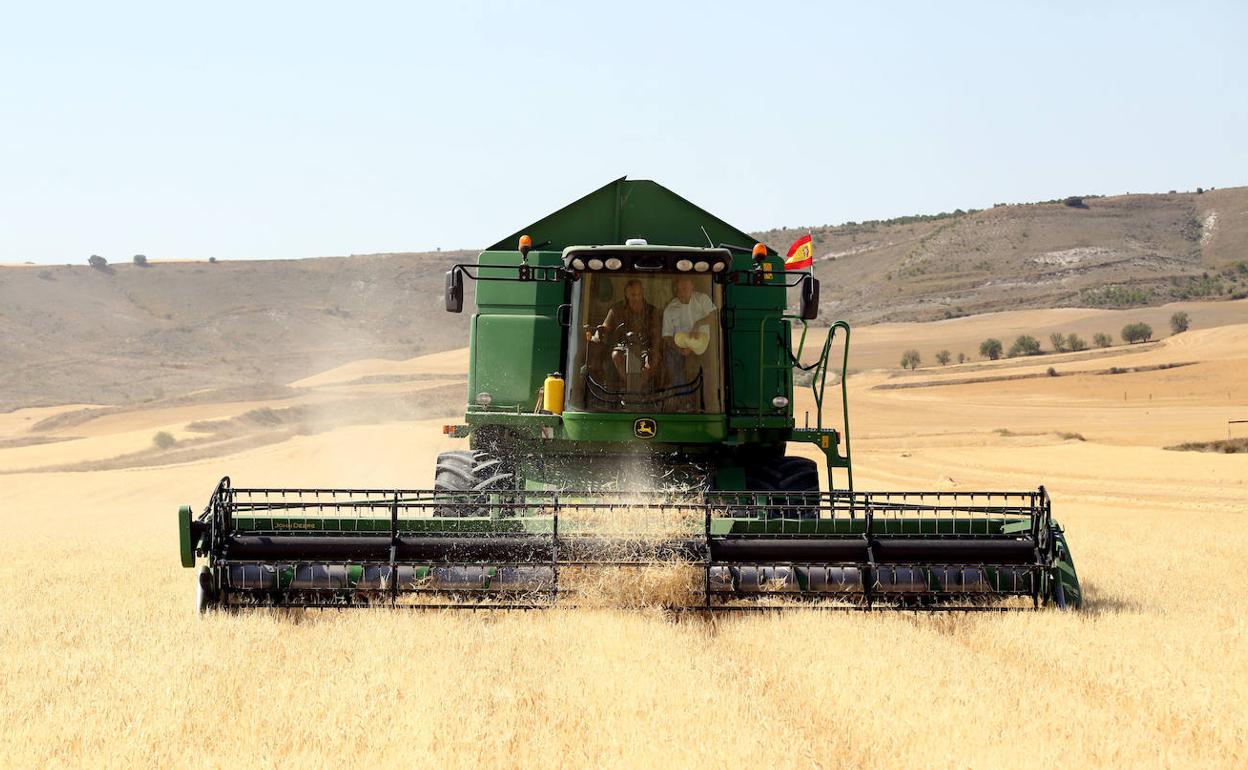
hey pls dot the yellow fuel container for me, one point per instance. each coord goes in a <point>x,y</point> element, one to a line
<point>552,394</point>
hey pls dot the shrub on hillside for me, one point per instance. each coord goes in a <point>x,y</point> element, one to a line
<point>1179,322</point>
<point>1025,345</point>
<point>140,260</point>
<point>1076,343</point>
<point>1059,342</point>
<point>1137,332</point>
<point>961,358</point>
<point>96,261</point>
<point>164,440</point>
<point>910,360</point>
<point>990,348</point>
<point>943,357</point>
<point>1102,339</point>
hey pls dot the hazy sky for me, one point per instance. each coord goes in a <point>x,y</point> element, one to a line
<point>267,129</point>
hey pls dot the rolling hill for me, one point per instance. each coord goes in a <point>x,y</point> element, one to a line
<point>198,330</point>
<point>1113,252</point>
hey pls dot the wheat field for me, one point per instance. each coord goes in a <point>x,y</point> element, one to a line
<point>104,664</point>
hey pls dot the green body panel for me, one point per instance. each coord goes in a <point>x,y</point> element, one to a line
<point>524,425</point>
<point>515,339</point>
<point>670,428</point>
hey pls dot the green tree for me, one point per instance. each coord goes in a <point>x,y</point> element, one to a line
<point>910,360</point>
<point>1102,339</point>
<point>1137,332</point>
<point>1025,345</point>
<point>1076,343</point>
<point>990,348</point>
<point>943,357</point>
<point>1179,322</point>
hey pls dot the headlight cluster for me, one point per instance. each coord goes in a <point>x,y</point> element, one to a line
<point>701,266</point>
<point>650,260</point>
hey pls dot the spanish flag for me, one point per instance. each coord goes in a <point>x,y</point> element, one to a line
<point>801,254</point>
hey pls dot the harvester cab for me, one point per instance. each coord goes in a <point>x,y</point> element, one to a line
<point>630,402</point>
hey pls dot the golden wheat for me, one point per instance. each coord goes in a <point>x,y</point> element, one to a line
<point>103,662</point>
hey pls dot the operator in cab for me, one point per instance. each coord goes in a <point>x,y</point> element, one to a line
<point>687,323</point>
<point>631,328</point>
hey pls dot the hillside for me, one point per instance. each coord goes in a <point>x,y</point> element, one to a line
<point>1122,251</point>
<point>131,334</point>
<point>74,334</point>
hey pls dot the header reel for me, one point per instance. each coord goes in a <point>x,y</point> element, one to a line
<point>718,551</point>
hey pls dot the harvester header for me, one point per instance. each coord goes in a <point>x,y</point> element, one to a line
<point>631,402</point>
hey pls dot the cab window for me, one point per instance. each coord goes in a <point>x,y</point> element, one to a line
<point>646,343</point>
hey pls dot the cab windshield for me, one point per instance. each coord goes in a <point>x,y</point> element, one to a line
<point>645,343</point>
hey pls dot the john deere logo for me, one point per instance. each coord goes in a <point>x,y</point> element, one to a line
<point>645,427</point>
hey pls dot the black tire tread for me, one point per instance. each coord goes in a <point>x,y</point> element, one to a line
<point>798,475</point>
<point>463,470</point>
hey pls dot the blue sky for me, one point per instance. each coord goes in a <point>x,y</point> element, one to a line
<point>276,130</point>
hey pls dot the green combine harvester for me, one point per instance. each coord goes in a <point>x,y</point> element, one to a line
<point>631,404</point>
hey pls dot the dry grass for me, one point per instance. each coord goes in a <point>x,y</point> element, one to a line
<point>1228,446</point>
<point>656,586</point>
<point>121,674</point>
<point>634,531</point>
<point>104,664</point>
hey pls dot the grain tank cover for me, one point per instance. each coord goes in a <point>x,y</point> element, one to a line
<point>626,209</point>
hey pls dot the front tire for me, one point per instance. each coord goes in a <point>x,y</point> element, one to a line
<point>796,475</point>
<point>465,470</point>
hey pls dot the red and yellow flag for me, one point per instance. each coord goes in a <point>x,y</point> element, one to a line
<point>801,254</point>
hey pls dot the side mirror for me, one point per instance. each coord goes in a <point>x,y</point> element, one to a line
<point>454,290</point>
<point>810,298</point>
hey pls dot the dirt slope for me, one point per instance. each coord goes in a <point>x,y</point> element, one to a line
<point>1118,251</point>
<point>75,334</point>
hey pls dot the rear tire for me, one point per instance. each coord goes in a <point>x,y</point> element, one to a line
<point>787,474</point>
<point>466,470</point>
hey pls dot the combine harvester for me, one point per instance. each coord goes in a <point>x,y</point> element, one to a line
<point>665,444</point>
